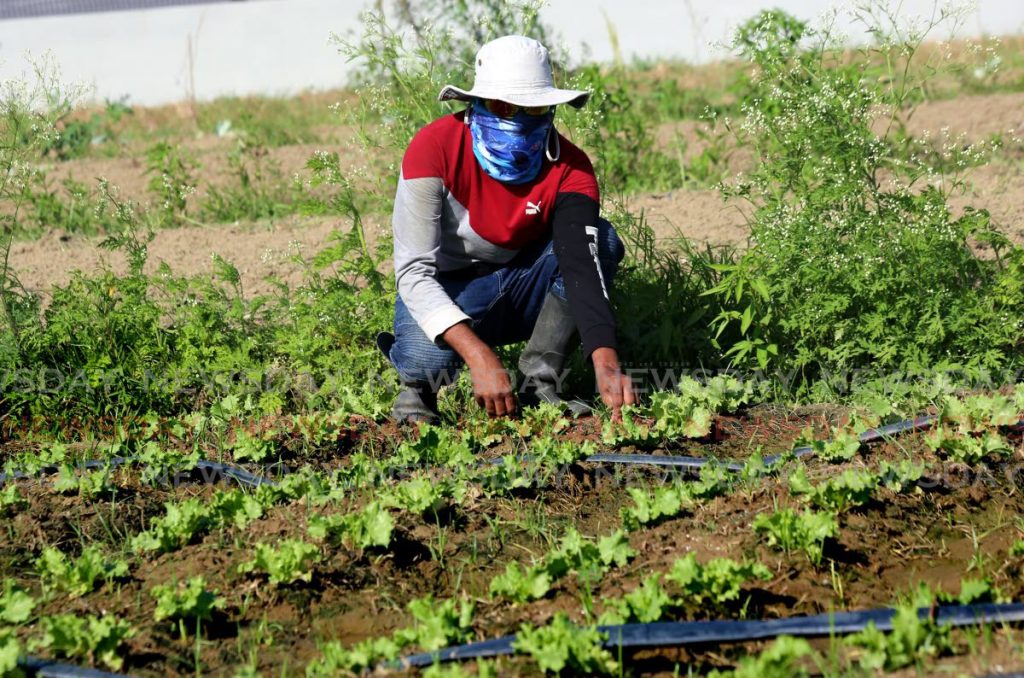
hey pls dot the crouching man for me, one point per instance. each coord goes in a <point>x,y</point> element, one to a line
<point>497,239</point>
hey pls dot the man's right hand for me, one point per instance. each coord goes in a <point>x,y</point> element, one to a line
<point>491,384</point>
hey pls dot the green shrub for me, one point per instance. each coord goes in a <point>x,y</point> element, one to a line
<point>855,259</point>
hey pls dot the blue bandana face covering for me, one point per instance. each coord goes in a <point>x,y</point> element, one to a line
<point>510,150</point>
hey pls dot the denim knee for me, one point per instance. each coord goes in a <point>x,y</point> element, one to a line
<point>416,357</point>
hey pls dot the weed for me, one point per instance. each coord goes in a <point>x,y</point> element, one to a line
<point>815,292</point>
<point>172,182</point>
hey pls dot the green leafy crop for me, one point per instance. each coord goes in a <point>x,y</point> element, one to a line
<point>563,646</point>
<point>79,576</point>
<point>15,604</point>
<point>850,489</point>
<point>717,582</point>
<point>688,412</point>
<point>663,502</point>
<point>779,660</point>
<point>913,638</point>
<point>900,477</point>
<point>10,651</point>
<point>424,495</point>
<point>968,448</point>
<point>976,413</point>
<point>189,600</point>
<point>370,527</point>
<point>437,624</point>
<point>805,532</point>
<point>521,585</point>
<point>842,446</point>
<point>646,603</point>
<point>182,522</point>
<point>290,561</point>
<point>84,637</point>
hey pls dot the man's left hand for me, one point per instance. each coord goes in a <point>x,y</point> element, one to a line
<point>615,387</point>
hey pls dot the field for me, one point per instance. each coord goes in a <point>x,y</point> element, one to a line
<point>200,476</point>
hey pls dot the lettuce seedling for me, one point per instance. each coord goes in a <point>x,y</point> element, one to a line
<point>561,645</point>
<point>15,605</point>
<point>439,623</point>
<point>181,523</point>
<point>662,502</point>
<point>646,603</point>
<point>847,490</point>
<point>291,561</point>
<point>364,529</point>
<point>805,532</point>
<point>79,576</point>
<point>913,638</point>
<point>10,650</point>
<point>84,637</point>
<point>967,448</point>
<point>521,585</point>
<point>900,477</point>
<point>843,445</point>
<point>779,660</point>
<point>717,583</point>
<point>977,413</point>
<point>179,601</point>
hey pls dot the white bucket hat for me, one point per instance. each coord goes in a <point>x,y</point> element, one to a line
<point>517,70</point>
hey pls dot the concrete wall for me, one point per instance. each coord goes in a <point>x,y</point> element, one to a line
<point>283,46</point>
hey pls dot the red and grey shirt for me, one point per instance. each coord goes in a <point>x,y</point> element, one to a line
<point>449,214</point>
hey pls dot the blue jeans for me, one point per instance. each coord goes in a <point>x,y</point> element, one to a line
<point>503,305</point>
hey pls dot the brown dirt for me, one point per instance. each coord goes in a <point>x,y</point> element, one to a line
<point>885,547</point>
<point>260,250</point>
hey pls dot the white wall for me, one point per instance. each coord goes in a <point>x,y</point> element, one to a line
<point>282,46</point>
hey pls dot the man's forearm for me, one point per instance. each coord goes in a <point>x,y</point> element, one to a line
<point>491,384</point>
<point>466,343</point>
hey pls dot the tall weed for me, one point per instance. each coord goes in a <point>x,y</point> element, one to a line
<point>856,259</point>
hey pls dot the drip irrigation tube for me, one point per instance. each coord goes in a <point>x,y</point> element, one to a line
<point>674,634</point>
<point>45,668</point>
<point>208,472</point>
<point>869,436</point>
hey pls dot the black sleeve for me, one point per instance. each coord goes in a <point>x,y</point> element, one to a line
<point>574,232</point>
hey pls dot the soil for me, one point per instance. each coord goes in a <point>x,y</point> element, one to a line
<point>262,249</point>
<point>938,533</point>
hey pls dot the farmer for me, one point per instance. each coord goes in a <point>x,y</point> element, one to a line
<point>497,239</point>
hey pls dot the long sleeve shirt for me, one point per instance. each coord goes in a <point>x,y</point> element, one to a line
<point>449,214</point>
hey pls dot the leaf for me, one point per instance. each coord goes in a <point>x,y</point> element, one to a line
<point>614,549</point>
<point>521,585</point>
<point>561,645</point>
<point>15,605</point>
<point>748,317</point>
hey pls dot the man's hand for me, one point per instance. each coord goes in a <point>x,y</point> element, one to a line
<point>615,387</point>
<point>491,385</point>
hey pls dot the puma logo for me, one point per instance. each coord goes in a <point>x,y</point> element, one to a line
<point>533,208</point>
